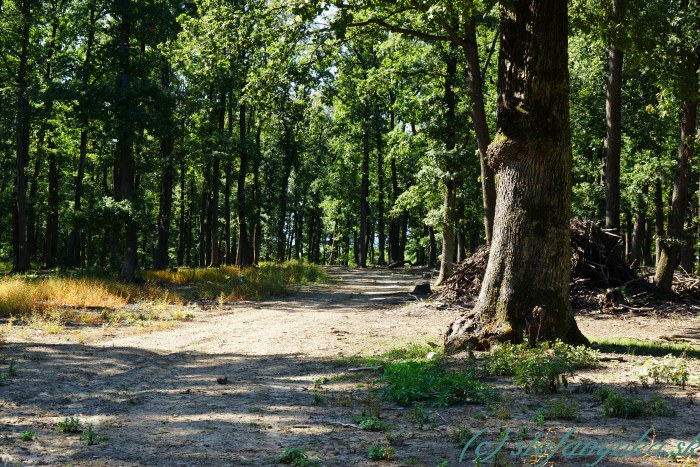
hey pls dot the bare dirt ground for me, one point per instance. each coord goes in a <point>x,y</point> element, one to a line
<point>156,399</point>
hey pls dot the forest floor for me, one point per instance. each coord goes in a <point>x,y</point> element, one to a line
<point>153,398</point>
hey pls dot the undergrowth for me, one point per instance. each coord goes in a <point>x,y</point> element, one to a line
<point>543,368</point>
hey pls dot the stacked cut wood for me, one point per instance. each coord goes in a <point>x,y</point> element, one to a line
<point>597,265</point>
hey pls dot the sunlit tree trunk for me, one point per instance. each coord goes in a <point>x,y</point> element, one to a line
<point>525,292</point>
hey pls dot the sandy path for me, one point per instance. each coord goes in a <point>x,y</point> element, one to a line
<point>156,396</point>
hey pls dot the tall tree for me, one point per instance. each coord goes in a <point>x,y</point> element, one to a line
<point>525,292</point>
<point>613,121</point>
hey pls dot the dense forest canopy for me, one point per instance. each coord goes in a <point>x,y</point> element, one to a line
<point>166,133</point>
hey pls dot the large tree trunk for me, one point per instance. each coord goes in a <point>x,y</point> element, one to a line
<point>21,251</point>
<point>125,140</point>
<point>670,245</point>
<point>525,292</point>
<point>162,258</point>
<point>613,124</point>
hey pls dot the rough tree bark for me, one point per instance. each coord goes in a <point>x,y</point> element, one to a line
<point>525,292</point>
<point>364,191</point>
<point>670,245</point>
<point>613,125</point>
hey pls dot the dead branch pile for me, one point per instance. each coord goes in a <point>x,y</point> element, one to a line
<point>597,264</point>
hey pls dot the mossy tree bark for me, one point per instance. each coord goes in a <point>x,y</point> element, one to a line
<point>525,292</point>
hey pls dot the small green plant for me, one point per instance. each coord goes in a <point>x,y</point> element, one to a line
<point>69,425</point>
<point>319,381</point>
<point>616,405</point>
<point>294,456</point>
<point>379,453</point>
<point>562,409</point>
<point>669,370</point>
<point>319,400</point>
<point>462,436</point>
<point>480,416</point>
<point>659,407</point>
<point>27,435</point>
<point>3,378</point>
<point>89,436</point>
<point>422,417</point>
<point>11,369</point>
<point>415,381</point>
<point>539,417</point>
<point>585,386</point>
<point>442,463</point>
<point>371,423</point>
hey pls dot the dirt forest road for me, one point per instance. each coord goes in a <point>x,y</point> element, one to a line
<point>156,399</point>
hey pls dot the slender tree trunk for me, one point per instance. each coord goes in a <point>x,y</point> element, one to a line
<point>76,235</point>
<point>244,256</point>
<point>450,198</point>
<point>181,223</point>
<point>284,185</point>
<point>432,254</point>
<point>380,190</point>
<point>613,124</point>
<point>125,141</point>
<point>257,233</point>
<point>670,245</point>
<point>640,223</point>
<point>525,291</point>
<point>22,128</point>
<point>648,237</point>
<point>162,259</point>
<point>364,191</point>
<point>658,217</point>
<point>476,93</point>
<point>51,237</point>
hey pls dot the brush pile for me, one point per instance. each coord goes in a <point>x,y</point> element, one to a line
<point>597,266</point>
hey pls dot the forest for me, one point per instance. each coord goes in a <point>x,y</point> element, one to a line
<point>208,207</point>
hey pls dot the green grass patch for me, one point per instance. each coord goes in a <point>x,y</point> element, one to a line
<point>624,345</point>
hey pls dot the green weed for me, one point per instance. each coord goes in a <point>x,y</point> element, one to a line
<point>379,453</point>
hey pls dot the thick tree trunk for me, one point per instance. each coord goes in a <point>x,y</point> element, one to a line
<point>613,124</point>
<point>525,292</point>
<point>670,245</point>
<point>21,251</point>
<point>162,259</point>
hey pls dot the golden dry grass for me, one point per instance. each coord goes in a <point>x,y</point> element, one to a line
<point>25,296</point>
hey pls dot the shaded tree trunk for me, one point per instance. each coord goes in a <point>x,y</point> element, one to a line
<point>22,128</point>
<point>125,141</point>
<point>364,191</point>
<point>640,223</point>
<point>162,259</point>
<point>670,245</point>
<point>613,125</point>
<point>450,198</point>
<point>244,256</point>
<point>478,114</point>
<point>525,291</point>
